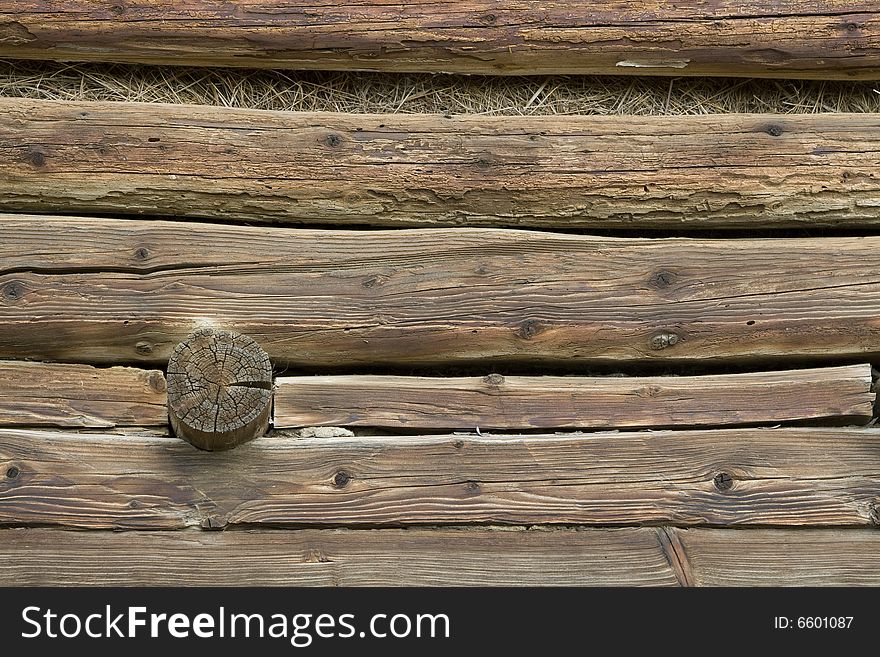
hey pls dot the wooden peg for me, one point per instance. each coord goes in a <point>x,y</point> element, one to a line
<point>219,389</point>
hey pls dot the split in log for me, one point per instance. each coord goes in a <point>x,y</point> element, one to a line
<point>545,402</point>
<point>649,556</point>
<point>648,172</point>
<point>740,477</point>
<point>67,395</point>
<point>109,291</point>
<point>219,389</point>
<point>829,39</point>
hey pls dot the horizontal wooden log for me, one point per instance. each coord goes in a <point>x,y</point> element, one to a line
<point>72,395</point>
<point>67,395</point>
<point>805,557</point>
<point>331,557</point>
<point>522,402</point>
<point>109,291</point>
<point>724,477</point>
<point>656,556</point>
<point>717,171</point>
<point>838,39</point>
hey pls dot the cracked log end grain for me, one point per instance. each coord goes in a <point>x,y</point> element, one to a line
<point>219,389</point>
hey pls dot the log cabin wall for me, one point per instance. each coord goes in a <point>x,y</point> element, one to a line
<point>559,350</point>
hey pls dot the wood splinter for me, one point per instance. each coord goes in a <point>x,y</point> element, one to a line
<point>219,389</point>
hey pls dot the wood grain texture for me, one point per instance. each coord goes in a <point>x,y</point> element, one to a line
<point>109,291</point>
<point>336,557</point>
<point>726,477</point>
<point>805,557</point>
<point>443,557</point>
<point>523,402</point>
<point>786,38</point>
<point>650,172</point>
<point>69,395</point>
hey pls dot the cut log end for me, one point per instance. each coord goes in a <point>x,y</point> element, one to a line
<point>219,389</point>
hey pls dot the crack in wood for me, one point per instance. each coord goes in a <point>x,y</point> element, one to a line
<point>675,554</point>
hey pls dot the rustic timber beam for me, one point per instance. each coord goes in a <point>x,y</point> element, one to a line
<point>805,557</point>
<point>477,556</point>
<point>111,291</point>
<point>339,557</point>
<point>523,402</point>
<point>71,395</point>
<point>830,39</point>
<point>793,477</point>
<point>647,172</point>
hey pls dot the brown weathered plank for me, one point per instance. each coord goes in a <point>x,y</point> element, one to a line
<point>723,477</point>
<point>443,557</point>
<point>717,171</point>
<point>521,402</point>
<point>803,557</point>
<point>72,395</point>
<point>336,557</point>
<point>107,291</point>
<point>785,38</point>
<point>67,395</point>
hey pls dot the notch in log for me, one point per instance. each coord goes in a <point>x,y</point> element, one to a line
<point>219,389</point>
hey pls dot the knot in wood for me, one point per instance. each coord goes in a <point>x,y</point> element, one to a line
<point>664,340</point>
<point>723,481</point>
<point>219,389</point>
<point>37,158</point>
<point>662,279</point>
<point>13,291</point>
<point>529,329</point>
<point>144,348</point>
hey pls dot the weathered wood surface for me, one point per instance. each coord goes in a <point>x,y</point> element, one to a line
<point>107,291</point>
<point>71,395</point>
<point>655,172</point>
<point>650,556</point>
<point>219,389</point>
<point>805,557</point>
<point>337,557</point>
<point>68,395</point>
<point>545,402</point>
<point>723,477</point>
<point>785,38</point>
